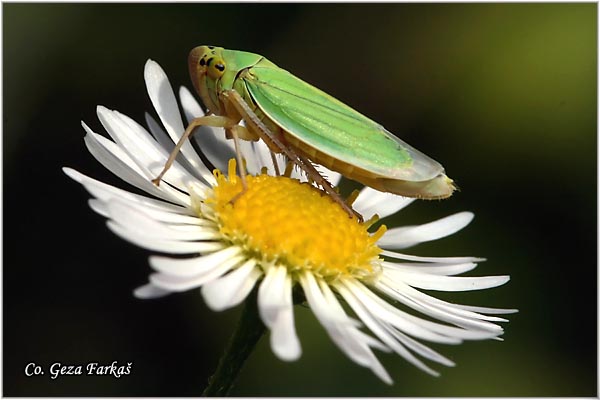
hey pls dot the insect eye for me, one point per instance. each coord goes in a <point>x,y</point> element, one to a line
<point>216,68</point>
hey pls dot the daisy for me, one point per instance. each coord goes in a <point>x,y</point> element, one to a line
<point>282,233</point>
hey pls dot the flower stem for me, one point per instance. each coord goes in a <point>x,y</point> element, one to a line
<point>249,330</point>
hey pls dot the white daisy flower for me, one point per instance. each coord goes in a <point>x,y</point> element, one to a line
<point>281,233</point>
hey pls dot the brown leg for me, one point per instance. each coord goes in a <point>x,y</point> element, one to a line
<point>210,120</point>
<point>236,132</point>
<point>238,155</point>
<point>275,166</point>
<point>274,142</point>
<point>321,181</point>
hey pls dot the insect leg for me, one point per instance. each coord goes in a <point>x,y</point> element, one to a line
<point>245,134</point>
<point>273,141</point>
<point>275,165</point>
<point>312,172</point>
<point>238,154</point>
<point>209,120</point>
<point>235,132</point>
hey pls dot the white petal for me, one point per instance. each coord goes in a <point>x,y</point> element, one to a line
<point>455,309</point>
<point>253,163</point>
<point>186,267</point>
<point>178,221</point>
<point>105,192</point>
<point>112,157</point>
<point>413,325</point>
<point>210,140</point>
<point>135,141</point>
<point>397,318</point>
<point>330,318</point>
<point>341,329</point>
<point>284,340</point>
<point>319,304</point>
<point>269,294</point>
<point>487,310</point>
<point>147,152</point>
<point>355,341</point>
<point>444,312</point>
<point>431,268</point>
<point>192,169</point>
<point>446,260</point>
<point>99,207</point>
<point>230,290</point>
<point>138,222</point>
<point>448,283</point>
<point>275,308</point>
<point>298,173</point>
<point>379,370</point>
<point>191,108</point>
<point>403,237</point>
<point>180,283</point>
<point>421,349</point>
<point>379,330</point>
<point>215,146</point>
<point>330,175</point>
<point>371,341</point>
<point>192,232</point>
<point>149,291</point>
<point>371,201</point>
<point>260,155</point>
<point>162,97</point>
<point>96,143</point>
<point>166,143</point>
<point>160,135</point>
<point>164,245</point>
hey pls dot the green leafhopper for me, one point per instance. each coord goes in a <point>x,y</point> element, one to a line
<point>305,124</point>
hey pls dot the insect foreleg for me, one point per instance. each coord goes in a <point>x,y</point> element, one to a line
<point>274,142</point>
<point>235,135</point>
<point>208,120</point>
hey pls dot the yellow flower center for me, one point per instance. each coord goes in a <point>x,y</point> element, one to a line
<point>281,220</point>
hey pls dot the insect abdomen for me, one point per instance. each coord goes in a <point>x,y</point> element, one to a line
<point>327,161</point>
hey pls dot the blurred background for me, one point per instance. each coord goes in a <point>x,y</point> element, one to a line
<point>503,95</point>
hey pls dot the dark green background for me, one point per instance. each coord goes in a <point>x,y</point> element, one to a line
<point>504,95</point>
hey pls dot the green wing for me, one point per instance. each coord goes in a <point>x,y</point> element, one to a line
<point>327,124</point>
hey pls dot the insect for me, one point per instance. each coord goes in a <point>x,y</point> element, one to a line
<point>306,125</point>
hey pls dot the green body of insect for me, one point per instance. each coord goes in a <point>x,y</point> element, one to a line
<point>306,125</point>
<point>312,123</point>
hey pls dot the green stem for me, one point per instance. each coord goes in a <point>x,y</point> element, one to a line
<point>249,330</point>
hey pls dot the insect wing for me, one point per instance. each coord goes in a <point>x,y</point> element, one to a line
<point>332,127</point>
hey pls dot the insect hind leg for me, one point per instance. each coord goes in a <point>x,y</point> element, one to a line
<point>315,176</point>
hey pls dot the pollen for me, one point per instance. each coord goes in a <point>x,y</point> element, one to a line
<point>280,220</point>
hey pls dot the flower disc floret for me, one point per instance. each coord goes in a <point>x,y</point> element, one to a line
<point>281,220</point>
